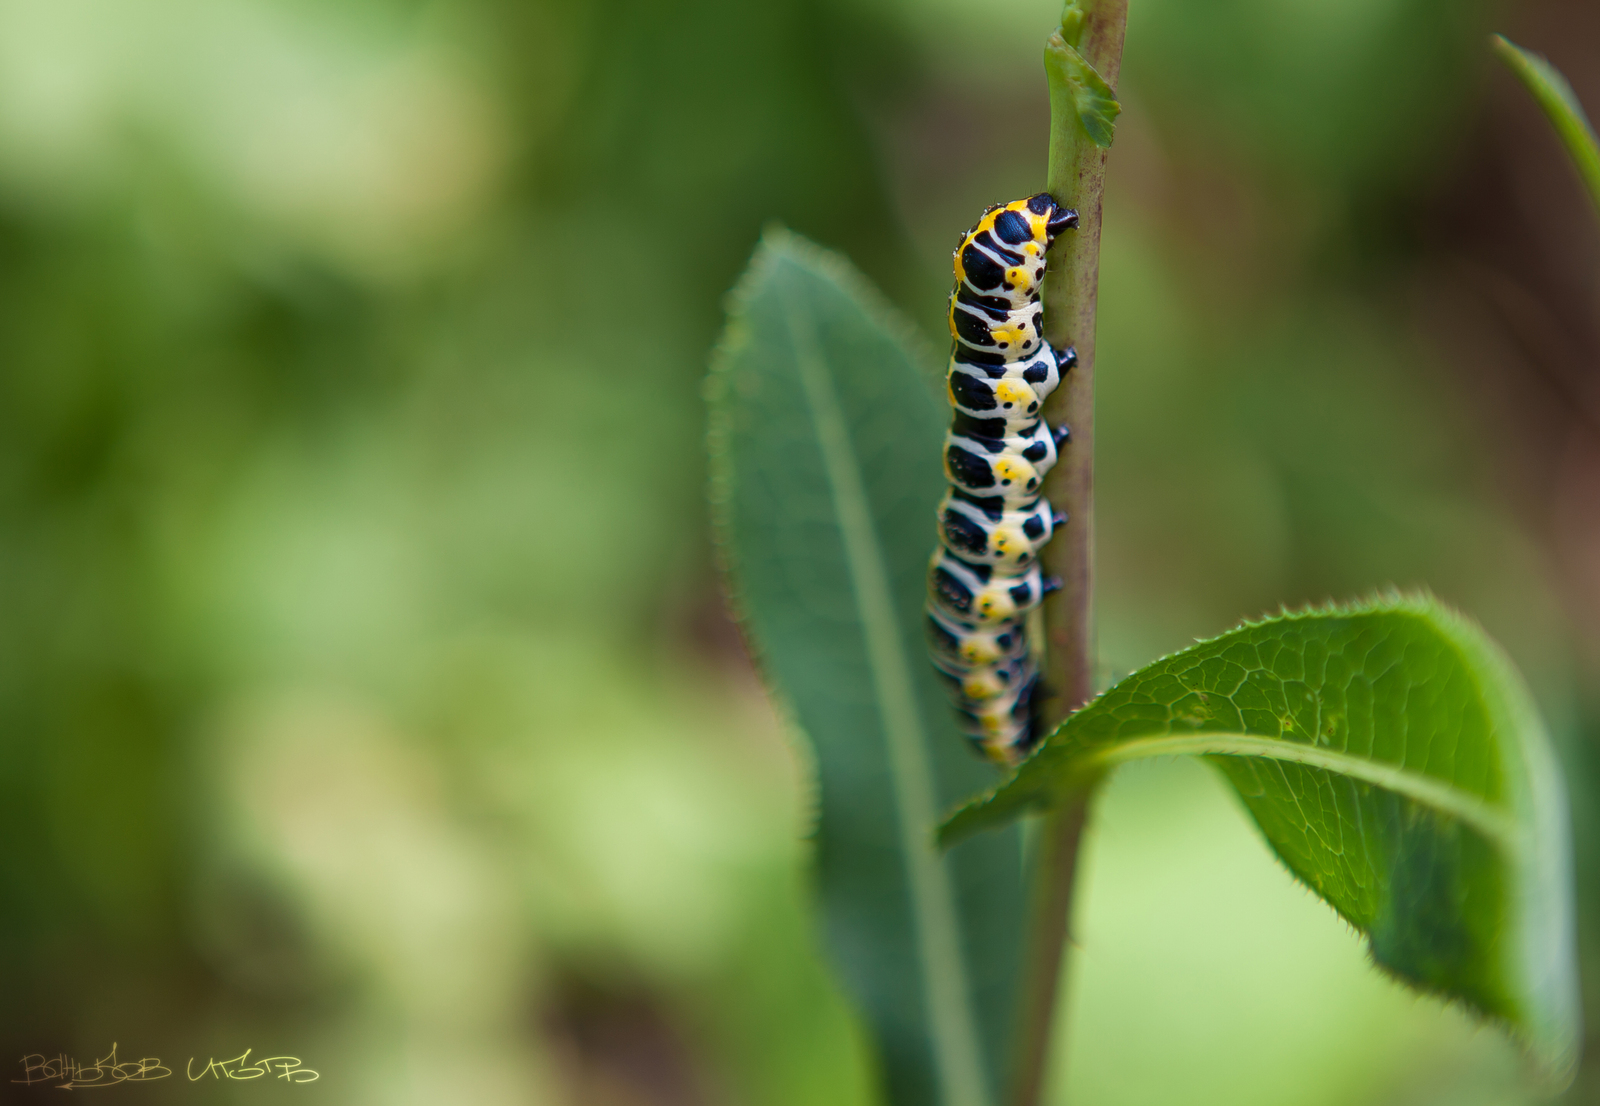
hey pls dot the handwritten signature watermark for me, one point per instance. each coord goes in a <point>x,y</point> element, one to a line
<point>65,1073</point>
<point>286,1068</point>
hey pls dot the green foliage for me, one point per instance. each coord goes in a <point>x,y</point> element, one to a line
<point>1392,758</point>
<point>1360,98</point>
<point>289,410</point>
<point>309,405</point>
<point>1075,85</point>
<point>1560,104</point>
<point>825,446</point>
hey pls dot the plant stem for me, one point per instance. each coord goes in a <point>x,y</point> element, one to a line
<point>1076,178</point>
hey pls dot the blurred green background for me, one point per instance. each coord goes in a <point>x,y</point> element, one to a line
<point>365,689</point>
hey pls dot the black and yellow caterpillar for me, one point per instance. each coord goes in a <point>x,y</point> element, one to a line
<point>985,578</point>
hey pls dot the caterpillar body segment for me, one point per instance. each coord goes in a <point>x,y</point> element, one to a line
<point>1008,468</point>
<point>997,401</point>
<point>985,682</point>
<point>1007,539</point>
<point>1003,332</point>
<point>953,641</point>
<point>979,596</point>
<point>984,577</point>
<point>1005,723</point>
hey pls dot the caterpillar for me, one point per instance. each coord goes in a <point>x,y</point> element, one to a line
<point>984,577</point>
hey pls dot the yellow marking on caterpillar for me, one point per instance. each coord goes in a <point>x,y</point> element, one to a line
<point>1013,393</point>
<point>1009,335</point>
<point>994,604</point>
<point>1009,541</point>
<point>982,685</point>
<point>977,651</point>
<point>1012,472</point>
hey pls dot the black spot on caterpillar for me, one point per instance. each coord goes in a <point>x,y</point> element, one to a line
<point>995,307</point>
<point>1012,228</point>
<point>968,469</point>
<point>978,428</point>
<point>984,577</point>
<point>979,357</point>
<point>971,328</point>
<point>963,535</point>
<point>971,392</point>
<point>985,241</point>
<point>985,271</point>
<point>950,592</point>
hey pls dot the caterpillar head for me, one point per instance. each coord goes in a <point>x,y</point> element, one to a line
<point>1030,226</point>
<point>1004,254</point>
<point>1056,218</point>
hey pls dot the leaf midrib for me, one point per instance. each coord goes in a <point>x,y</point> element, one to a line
<point>938,928</point>
<point>1494,824</point>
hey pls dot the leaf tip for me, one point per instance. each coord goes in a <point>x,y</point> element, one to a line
<point>964,821</point>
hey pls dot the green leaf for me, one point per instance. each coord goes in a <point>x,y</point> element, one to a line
<point>1561,105</point>
<point>1393,759</point>
<point>825,443</point>
<point>1076,85</point>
